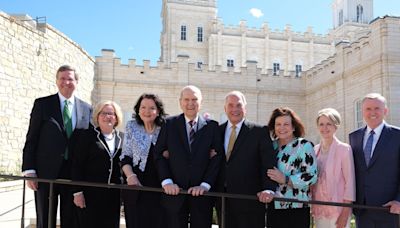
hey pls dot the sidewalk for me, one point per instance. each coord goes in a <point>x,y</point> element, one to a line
<point>11,204</point>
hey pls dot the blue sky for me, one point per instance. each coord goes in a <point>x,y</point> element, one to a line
<point>133,29</point>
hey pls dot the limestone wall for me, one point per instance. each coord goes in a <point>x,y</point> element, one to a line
<point>370,64</point>
<point>30,55</point>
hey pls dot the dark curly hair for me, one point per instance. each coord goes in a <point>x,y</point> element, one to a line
<point>296,121</point>
<point>160,119</point>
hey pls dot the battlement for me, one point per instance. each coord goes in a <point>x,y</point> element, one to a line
<point>265,31</point>
<point>183,72</point>
<point>211,3</point>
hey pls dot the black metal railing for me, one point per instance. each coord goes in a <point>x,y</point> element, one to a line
<point>223,196</point>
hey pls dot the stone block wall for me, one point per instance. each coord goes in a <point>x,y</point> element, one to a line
<point>30,55</point>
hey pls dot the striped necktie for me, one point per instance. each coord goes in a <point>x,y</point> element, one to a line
<point>192,132</point>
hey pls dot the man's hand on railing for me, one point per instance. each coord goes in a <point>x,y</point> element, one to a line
<point>394,206</point>
<point>171,189</point>
<point>265,196</point>
<point>30,183</point>
<point>79,200</point>
<point>197,190</point>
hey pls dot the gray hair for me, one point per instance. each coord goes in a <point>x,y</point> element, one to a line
<point>237,94</point>
<point>375,96</point>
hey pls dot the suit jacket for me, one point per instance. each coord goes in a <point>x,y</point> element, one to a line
<point>379,182</point>
<point>93,161</point>
<point>246,170</point>
<point>46,140</point>
<point>187,166</point>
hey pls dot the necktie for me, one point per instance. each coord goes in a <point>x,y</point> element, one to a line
<point>67,118</point>
<point>191,132</point>
<point>368,147</point>
<point>232,139</point>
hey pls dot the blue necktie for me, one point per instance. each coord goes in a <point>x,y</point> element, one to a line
<point>368,147</point>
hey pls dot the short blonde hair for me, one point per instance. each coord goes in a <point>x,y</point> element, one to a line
<point>332,114</point>
<point>99,106</point>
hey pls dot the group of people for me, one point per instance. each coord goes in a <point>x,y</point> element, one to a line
<point>66,139</point>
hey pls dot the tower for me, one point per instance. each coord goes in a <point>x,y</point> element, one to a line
<point>186,25</point>
<point>351,18</point>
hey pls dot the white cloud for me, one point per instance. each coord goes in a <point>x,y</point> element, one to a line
<point>256,12</point>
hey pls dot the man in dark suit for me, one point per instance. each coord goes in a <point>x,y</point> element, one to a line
<point>49,143</point>
<point>248,156</point>
<point>194,149</point>
<point>376,150</point>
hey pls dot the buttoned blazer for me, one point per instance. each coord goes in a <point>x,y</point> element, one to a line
<point>93,160</point>
<point>188,165</point>
<point>246,170</point>
<point>46,140</point>
<point>379,182</point>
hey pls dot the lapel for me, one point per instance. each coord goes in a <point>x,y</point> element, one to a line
<point>199,130</point>
<point>56,113</point>
<point>359,150</point>
<point>81,116</point>
<point>182,132</point>
<point>383,142</point>
<point>241,138</point>
<point>102,140</point>
<point>223,129</point>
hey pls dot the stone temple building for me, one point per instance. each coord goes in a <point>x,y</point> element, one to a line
<point>304,71</point>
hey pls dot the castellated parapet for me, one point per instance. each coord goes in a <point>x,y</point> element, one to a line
<point>124,84</point>
<point>368,64</point>
<point>30,54</point>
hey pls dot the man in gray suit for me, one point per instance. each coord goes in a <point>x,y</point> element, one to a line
<point>49,143</point>
<point>376,149</point>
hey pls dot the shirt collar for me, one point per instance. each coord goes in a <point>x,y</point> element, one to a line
<point>196,119</point>
<point>377,130</point>
<point>62,99</point>
<point>238,125</point>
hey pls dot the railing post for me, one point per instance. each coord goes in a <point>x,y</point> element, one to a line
<point>51,198</point>
<point>23,206</point>
<point>222,212</point>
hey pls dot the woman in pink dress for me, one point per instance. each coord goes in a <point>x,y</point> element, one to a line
<point>336,181</point>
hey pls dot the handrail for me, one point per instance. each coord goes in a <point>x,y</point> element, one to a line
<point>185,192</point>
<point>221,195</point>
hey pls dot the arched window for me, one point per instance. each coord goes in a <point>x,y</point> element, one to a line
<point>358,114</point>
<point>359,13</point>
<point>199,34</point>
<point>183,32</point>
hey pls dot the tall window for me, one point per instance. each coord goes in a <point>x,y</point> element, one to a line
<point>199,63</point>
<point>183,32</point>
<point>340,17</point>
<point>229,63</point>
<point>276,68</point>
<point>359,13</point>
<point>199,34</point>
<point>298,70</point>
<point>358,114</point>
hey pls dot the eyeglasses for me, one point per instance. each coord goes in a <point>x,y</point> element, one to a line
<point>112,114</point>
